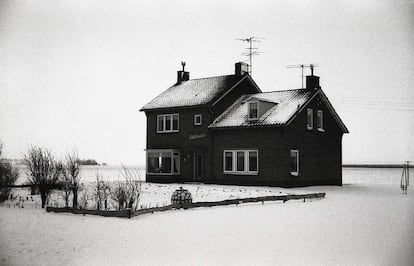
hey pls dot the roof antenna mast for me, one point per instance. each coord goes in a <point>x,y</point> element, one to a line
<point>302,66</point>
<point>251,51</point>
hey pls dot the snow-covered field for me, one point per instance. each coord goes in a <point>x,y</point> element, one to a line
<point>354,225</point>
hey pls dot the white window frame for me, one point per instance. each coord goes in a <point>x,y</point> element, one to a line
<point>248,114</point>
<point>164,120</point>
<point>309,113</point>
<point>195,120</point>
<point>246,162</point>
<point>295,173</point>
<point>174,154</point>
<point>319,121</point>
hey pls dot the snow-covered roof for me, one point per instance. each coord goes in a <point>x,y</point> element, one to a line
<point>287,102</point>
<point>194,92</point>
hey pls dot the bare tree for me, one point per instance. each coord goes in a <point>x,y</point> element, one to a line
<point>66,186</point>
<point>72,177</point>
<point>42,170</point>
<point>8,176</point>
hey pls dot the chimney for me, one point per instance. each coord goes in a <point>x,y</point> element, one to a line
<point>241,69</point>
<point>312,82</point>
<point>182,75</point>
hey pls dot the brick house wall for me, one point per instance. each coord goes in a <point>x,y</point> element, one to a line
<point>320,153</point>
<point>181,140</point>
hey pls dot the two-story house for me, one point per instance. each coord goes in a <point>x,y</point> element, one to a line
<point>225,130</point>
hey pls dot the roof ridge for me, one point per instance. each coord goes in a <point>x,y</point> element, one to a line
<point>282,90</point>
<point>221,76</point>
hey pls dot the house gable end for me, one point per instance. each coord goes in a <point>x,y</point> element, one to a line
<point>329,107</point>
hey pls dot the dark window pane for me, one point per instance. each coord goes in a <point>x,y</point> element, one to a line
<point>228,161</point>
<point>198,119</point>
<point>160,123</point>
<point>240,161</point>
<point>320,118</point>
<point>294,161</point>
<point>167,122</point>
<point>253,161</point>
<point>166,164</point>
<point>310,119</point>
<point>253,110</point>
<point>153,165</point>
<point>175,122</point>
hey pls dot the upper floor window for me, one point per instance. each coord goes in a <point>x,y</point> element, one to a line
<point>309,124</point>
<point>241,161</point>
<point>294,162</point>
<point>253,110</point>
<point>319,120</point>
<point>197,120</point>
<point>167,123</point>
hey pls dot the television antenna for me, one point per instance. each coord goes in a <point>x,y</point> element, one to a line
<point>302,66</point>
<point>251,51</point>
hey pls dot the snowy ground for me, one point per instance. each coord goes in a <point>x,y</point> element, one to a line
<point>353,225</point>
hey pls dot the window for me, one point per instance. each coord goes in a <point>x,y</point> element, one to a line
<point>167,123</point>
<point>294,162</point>
<point>253,110</point>
<point>319,120</point>
<point>253,161</point>
<point>241,162</point>
<point>197,120</point>
<point>310,119</point>
<point>163,162</point>
<point>228,161</point>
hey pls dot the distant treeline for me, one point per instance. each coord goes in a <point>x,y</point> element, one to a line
<point>376,165</point>
<point>87,162</point>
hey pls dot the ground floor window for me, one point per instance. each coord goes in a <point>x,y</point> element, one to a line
<point>294,162</point>
<point>241,161</point>
<point>163,162</point>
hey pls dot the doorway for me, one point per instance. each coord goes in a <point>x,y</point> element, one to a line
<point>198,169</point>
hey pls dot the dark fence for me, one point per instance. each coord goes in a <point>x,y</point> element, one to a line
<point>128,213</point>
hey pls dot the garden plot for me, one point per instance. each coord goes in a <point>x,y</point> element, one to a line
<point>152,195</point>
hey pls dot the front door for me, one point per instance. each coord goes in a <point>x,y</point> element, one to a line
<point>198,171</point>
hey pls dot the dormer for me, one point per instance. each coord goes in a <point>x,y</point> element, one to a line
<point>256,108</point>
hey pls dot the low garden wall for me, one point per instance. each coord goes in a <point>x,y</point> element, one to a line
<point>128,213</point>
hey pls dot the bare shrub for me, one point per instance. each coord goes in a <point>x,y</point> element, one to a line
<point>8,177</point>
<point>102,191</point>
<point>83,198</point>
<point>118,194</point>
<point>127,193</point>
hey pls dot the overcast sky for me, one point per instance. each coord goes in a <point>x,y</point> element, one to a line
<point>73,74</point>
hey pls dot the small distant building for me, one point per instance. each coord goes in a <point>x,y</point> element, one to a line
<point>225,130</point>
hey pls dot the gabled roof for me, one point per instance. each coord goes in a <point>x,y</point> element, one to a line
<point>195,92</point>
<point>288,103</point>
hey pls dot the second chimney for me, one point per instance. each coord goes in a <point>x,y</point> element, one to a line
<point>312,82</point>
<point>241,69</point>
<point>182,75</point>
